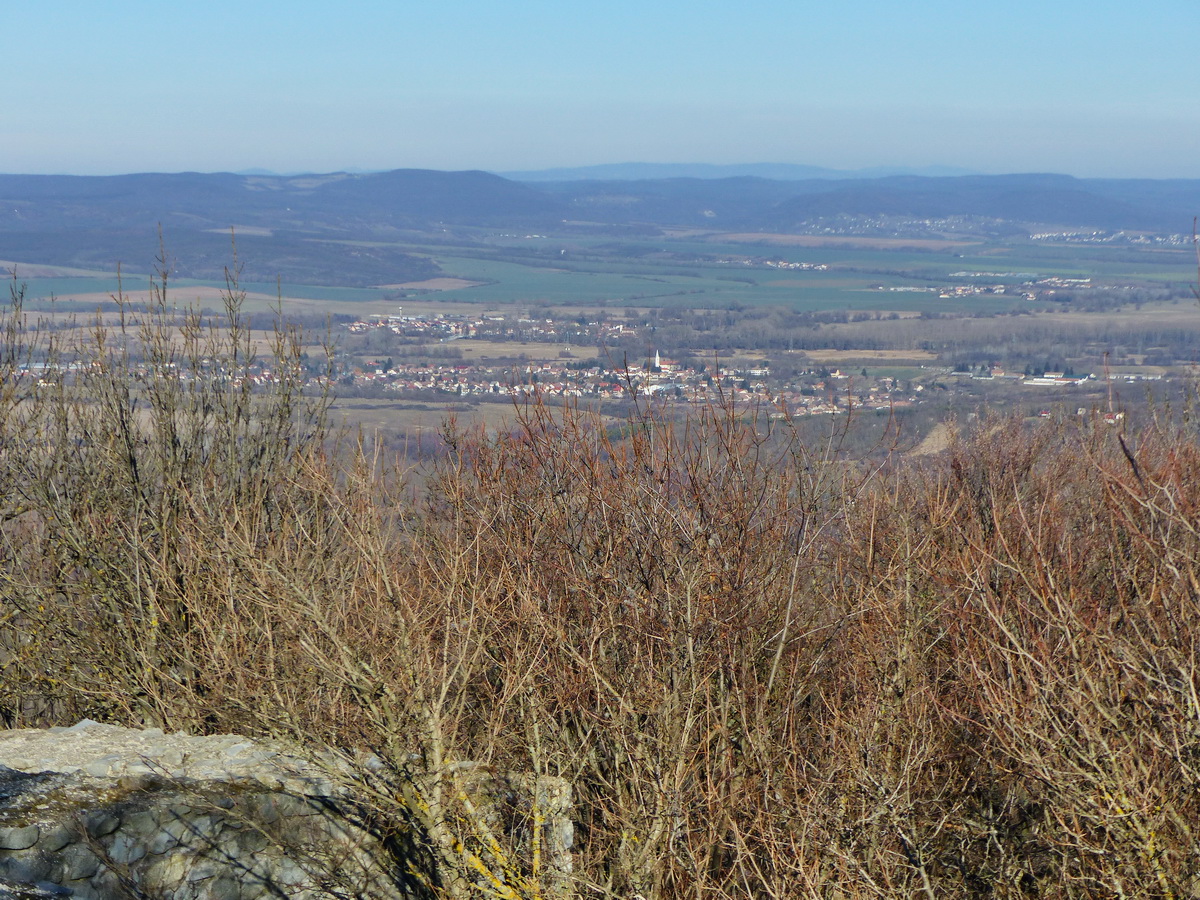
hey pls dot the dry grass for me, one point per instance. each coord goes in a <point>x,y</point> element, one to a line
<point>939,439</point>
<point>532,351</point>
<point>882,355</point>
<point>434,284</point>
<point>1178,315</point>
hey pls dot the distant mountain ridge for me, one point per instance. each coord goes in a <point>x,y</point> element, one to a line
<point>320,229</point>
<point>1053,201</point>
<point>402,196</point>
<point>351,228</point>
<point>709,171</point>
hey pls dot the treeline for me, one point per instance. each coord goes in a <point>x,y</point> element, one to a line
<point>766,669</point>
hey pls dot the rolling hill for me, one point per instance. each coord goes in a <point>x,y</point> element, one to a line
<point>359,229</point>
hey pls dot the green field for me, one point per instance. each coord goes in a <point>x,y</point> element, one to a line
<point>568,271</point>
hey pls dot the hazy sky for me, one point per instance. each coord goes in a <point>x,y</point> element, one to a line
<point>1086,88</point>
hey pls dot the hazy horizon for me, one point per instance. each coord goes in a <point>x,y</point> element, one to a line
<point>1067,88</point>
<point>542,173</point>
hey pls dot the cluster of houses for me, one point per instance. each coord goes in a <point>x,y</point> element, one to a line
<point>656,377</point>
<point>995,373</point>
<point>447,326</point>
<point>771,263</point>
<point>1029,289</point>
<point>1112,237</point>
<point>812,392</point>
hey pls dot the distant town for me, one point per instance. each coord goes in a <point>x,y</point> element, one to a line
<point>579,370</point>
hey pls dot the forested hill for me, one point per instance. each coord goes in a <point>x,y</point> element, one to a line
<point>295,227</point>
<point>1053,201</point>
<point>405,197</point>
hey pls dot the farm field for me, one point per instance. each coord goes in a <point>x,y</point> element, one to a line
<point>710,271</point>
<point>874,355</point>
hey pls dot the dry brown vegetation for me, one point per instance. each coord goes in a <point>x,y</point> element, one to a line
<point>859,353</point>
<point>768,672</point>
<point>435,284</point>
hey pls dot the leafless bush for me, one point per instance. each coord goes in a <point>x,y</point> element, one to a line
<point>765,671</point>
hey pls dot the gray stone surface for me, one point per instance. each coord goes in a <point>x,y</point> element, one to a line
<point>14,890</point>
<point>16,837</point>
<point>97,811</point>
<point>88,810</point>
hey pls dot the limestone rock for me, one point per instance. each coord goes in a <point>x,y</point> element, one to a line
<point>90,810</point>
<point>97,811</point>
<point>13,890</point>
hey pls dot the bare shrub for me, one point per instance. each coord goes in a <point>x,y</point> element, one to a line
<point>764,670</point>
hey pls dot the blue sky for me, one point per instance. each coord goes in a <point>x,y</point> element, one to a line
<point>1085,88</point>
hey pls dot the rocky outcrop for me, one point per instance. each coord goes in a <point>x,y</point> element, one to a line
<point>97,811</point>
<point>100,811</point>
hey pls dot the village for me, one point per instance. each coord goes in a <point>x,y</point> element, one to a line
<point>425,364</point>
<point>657,377</point>
<point>810,392</point>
